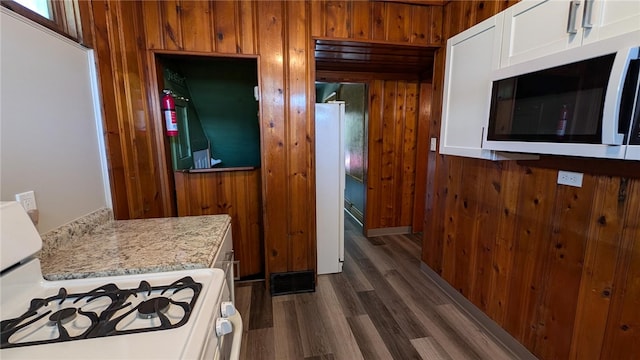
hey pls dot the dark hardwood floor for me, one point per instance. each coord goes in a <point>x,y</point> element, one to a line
<point>382,306</point>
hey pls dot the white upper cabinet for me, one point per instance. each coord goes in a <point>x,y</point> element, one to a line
<point>536,28</point>
<point>472,55</point>
<point>610,18</point>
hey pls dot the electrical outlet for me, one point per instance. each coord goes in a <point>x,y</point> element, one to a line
<point>570,178</point>
<point>434,144</point>
<point>27,200</point>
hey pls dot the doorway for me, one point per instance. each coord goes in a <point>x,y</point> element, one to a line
<point>355,136</point>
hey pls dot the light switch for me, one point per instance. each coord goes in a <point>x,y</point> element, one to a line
<point>434,144</point>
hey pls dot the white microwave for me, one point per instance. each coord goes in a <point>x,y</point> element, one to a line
<point>580,102</point>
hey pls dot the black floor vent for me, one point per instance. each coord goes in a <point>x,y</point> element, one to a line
<point>293,282</point>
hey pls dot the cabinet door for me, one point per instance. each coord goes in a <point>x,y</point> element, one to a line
<point>604,19</point>
<point>471,57</point>
<point>536,28</point>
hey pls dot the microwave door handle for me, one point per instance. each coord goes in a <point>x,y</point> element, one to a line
<point>611,111</point>
<point>588,14</point>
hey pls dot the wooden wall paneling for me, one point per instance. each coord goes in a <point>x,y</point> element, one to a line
<point>378,17</point>
<point>374,192</point>
<point>136,69</point>
<point>396,186</point>
<point>398,23</point>
<point>468,16</point>
<point>566,247</point>
<point>338,14</point>
<point>433,237</point>
<point>122,68</point>
<point>273,122</point>
<point>388,157</point>
<point>171,25</point>
<point>85,13</point>
<point>422,154</point>
<point>253,224</point>
<point>452,183</point>
<point>451,21</point>
<point>300,150</point>
<point>153,25</point>
<point>409,148</point>
<point>470,192</point>
<point>486,233</point>
<point>436,26</point>
<point>236,193</point>
<point>110,100</point>
<point>183,191</point>
<point>508,188</point>
<point>167,194</point>
<point>535,206</point>
<point>360,20</point>
<point>318,22</point>
<point>225,26</point>
<point>485,9</point>
<point>246,29</point>
<point>421,25</point>
<point>602,253</point>
<point>197,28</point>
<point>241,194</point>
<point>623,325</point>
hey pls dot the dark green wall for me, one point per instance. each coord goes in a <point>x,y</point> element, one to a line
<point>222,92</point>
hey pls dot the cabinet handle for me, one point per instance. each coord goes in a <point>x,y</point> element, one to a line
<point>573,9</point>
<point>588,14</point>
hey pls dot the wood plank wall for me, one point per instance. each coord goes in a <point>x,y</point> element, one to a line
<point>392,142</point>
<point>236,193</point>
<point>556,266</point>
<point>127,33</point>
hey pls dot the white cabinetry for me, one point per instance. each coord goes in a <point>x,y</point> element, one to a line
<point>472,55</point>
<point>612,18</point>
<point>541,27</point>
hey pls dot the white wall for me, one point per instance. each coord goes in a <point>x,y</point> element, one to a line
<point>49,126</point>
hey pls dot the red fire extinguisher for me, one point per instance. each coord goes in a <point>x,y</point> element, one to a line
<point>169,110</point>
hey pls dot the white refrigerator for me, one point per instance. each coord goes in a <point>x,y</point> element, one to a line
<point>330,186</point>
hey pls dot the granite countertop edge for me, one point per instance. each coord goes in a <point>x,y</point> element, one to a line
<point>98,246</point>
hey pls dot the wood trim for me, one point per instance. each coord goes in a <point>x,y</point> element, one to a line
<point>422,155</point>
<point>53,25</point>
<point>226,169</point>
<point>606,167</point>
<point>419,2</point>
<point>350,76</point>
<point>163,158</point>
<point>203,53</point>
<point>398,230</point>
<point>403,44</point>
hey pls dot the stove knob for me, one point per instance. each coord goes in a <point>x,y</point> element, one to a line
<point>227,309</point>
<point>223,327</point>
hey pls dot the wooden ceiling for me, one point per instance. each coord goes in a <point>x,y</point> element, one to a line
<point>371,57</point>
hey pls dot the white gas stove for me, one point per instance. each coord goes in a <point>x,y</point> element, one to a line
<point>171,315</point>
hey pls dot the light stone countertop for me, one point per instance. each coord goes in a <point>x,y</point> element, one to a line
<point>119,247</point>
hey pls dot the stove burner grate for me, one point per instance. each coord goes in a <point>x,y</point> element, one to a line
<point>105,322</point>
<point>63,316</point>
<point>151,308</point>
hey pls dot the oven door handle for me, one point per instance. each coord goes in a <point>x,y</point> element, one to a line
<point>236,343</point>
